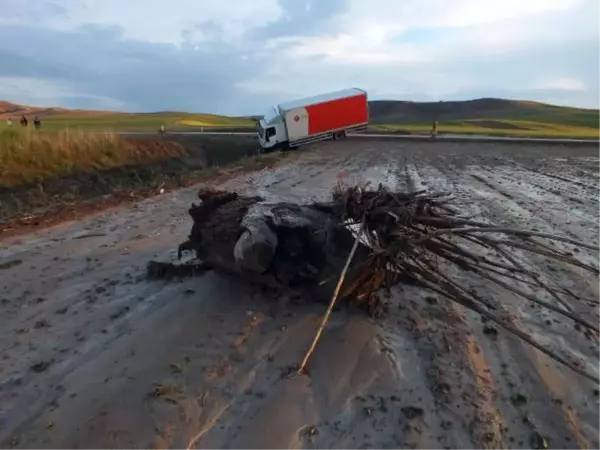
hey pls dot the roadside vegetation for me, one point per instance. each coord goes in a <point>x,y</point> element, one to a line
<point>28,156</point>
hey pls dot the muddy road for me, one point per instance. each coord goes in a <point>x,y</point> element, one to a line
<point>94,355</point>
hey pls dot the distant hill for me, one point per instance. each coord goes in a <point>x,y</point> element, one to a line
<point>8,109</point>
<point>404,112</point>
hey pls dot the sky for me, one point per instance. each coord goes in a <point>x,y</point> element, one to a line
<point>241,56</point>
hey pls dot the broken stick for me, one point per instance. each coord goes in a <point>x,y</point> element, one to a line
<point>332,302</point>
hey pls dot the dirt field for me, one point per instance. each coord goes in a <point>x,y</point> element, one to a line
<point>94,355</point>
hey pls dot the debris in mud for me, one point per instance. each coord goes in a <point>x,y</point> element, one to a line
<point>159,270</point>
<point>538,441</point>
<point>119,313</point>
<point>42,323</point>
<point>176,368</point>
<point>519,399</point>
<point>365,240</point>
<point>411,412</point>
<point>312,431</point>
<point>490,330</point>
<point>431,300</point>
<point>89,235</point>
<point>40,366</point>
<point>160,390</point>
<point>9,264</point>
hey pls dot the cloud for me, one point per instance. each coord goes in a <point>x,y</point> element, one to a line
<point>238,57</point>
<point>144,76</point>
<point>563,84</point>
<point>302,18</point>
<point>17,11</point>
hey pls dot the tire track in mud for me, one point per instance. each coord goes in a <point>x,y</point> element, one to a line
<point>462,399</point>
<point>458,374</point>
<point>544,182</point>
<point>457,381</point>
<point>595,189</point>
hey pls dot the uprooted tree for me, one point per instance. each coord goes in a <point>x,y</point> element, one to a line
<point>365,240</point>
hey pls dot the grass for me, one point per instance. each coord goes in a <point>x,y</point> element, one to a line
<point>28,156</point>
<point>110,121</point>
<point>499,127</point>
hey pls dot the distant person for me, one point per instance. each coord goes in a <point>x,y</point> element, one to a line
<point>9,122</point>
<point>37,123</point>
<point>24,121</point>
<point>162,128</point>
<point>434,129</point>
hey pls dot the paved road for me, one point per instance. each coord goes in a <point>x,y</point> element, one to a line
<point>417,137</point>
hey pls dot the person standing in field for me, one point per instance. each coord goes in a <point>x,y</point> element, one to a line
<point>37,122</point>
<point>23,121</point>
<point>434,129</point>
<point>9,122</point>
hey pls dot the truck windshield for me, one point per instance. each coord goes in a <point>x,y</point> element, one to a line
<point>271,117</point>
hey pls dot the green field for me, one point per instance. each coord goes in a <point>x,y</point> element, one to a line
<point>109,121</point>
<point>489,127</point>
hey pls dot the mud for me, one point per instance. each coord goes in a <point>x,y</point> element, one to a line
<point>122,361</point>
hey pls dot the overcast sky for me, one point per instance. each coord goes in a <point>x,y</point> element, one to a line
<point>239,56</point>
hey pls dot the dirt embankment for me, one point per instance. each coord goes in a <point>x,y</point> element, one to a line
<point>173,161</point>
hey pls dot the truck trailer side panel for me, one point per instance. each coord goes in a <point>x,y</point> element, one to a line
<point>325,117</point>
<point>337,114</point>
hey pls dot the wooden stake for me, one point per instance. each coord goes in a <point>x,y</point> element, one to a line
<point>332,302</point>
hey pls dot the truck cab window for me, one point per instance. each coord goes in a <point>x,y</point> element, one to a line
<point>269,132</point>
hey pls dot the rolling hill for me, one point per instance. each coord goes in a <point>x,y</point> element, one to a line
<point>398,112</point>
<point>488,116</point>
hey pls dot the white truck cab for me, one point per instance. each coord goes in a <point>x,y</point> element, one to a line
<point>272,132</point>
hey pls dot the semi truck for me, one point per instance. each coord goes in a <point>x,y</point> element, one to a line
<point>307,120</point>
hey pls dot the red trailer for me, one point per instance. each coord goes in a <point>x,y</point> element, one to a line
<point>327,116</point>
